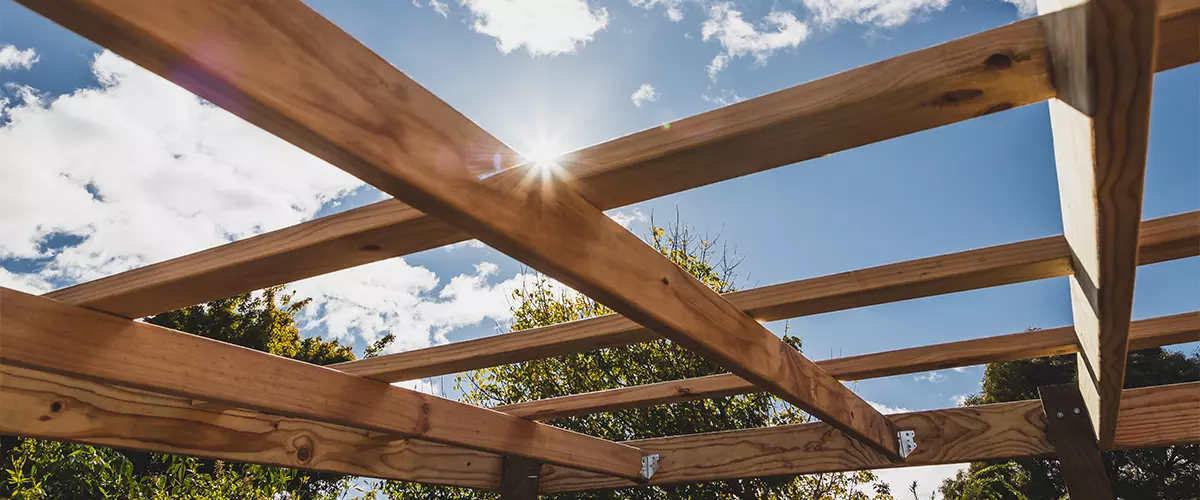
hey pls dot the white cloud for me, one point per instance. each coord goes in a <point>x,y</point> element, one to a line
<point>723,98</point>
<point>24,282</point>
<point>440,7</point>
<point>959,399</point>
<point>739,38</point>
<point>887,410</point>
<point>543,27</point>
<point>931,377</point>
<point>142,171</point>
<point>644,93</point>
<point>12,58</point>
<point>961,369</point>
<point>1025,8</point>
<point>673,7</point>
<point>625,219</point>
<point>392,296</point>
<point>883,13</point>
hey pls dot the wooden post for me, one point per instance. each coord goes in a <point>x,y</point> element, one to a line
<point>1069,429</point>
<point>519,479</point>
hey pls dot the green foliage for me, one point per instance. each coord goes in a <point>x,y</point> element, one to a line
<point>540,303</point>
<point>1160,473</point>
<point>264,321</point>
<point>47,470</point>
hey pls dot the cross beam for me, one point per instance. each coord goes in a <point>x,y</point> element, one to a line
<point>1102,62</point>
<point>361,114</point>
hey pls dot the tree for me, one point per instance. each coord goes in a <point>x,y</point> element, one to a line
<point>540,302</point>
<point>36,469</point>
<point>1162,473</point>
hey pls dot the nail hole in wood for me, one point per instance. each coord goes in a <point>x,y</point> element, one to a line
<point>999,61</point>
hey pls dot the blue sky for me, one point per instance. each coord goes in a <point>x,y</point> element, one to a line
<point>140,171</point>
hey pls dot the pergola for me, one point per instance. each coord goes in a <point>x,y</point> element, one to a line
<point>76,366</point>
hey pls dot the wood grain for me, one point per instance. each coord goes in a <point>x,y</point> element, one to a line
<point>1178,33</point>
<point>52,406</point>
<point>1166,238</point>
<point>47,335</point>
<point>1103,54</point>
<point>891,98</point>
<point>1069,429</point>
<point>1159,416</point>
<point>1155,332</point>
<point>925,89</point>
<point>989,432</point>
<point>102,414</point>
<point>361,114</point>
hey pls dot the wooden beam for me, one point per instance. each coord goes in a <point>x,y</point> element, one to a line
<point>64,408</point>
<point>44,334</point>
<point>1177,329</point>
<point>1166,238</point>
<point>361,114</point>
<point>1178,38</point>
<point>106,415</point>
<point>1103,55</point>
<point>519,479</point>
<point>918,91</point>
<point>1069,429</point>
<point>989,432</point>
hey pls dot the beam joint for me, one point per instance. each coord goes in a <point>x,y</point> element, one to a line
<point>1069,429</point>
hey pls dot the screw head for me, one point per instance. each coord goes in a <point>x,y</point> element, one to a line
<point>1059,414</point>
<point>1077,411</point>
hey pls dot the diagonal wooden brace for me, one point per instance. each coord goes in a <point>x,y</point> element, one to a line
<point>1069,429</point>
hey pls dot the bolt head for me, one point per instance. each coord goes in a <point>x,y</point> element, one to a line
<point>1077,411</point>
<point>1059,414</point>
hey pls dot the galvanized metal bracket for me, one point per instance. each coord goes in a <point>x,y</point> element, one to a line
<point>649,466</point>
<point>908,442</point>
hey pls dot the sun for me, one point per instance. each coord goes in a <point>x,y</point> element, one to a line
<point>543,155</point>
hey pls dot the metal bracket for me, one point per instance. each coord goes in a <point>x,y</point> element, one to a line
<point>908,442</point>
<point>649,466</point>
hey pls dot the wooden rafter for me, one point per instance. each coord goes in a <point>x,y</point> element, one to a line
<point>1166,238</point>
<point>44,334</point>
<point>361,114</point>
<point>1102,58</point>
<point>97,413</point>
<point>873,103</point>
<point>1168,330</point>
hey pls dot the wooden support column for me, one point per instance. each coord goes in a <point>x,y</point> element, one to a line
<point>1102,56</point>
<point>519,479</point>
<point>1069,429</point>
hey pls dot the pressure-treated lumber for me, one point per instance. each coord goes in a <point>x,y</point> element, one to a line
<point>1165,238</point>
<point>1069,429</point>
<point>64,408</point>
<point>361,114</point>
<point>997,69</point>
<point>44,334</point>
<point>1102,58</point>
<point>1178,37</point>
<point>102,414</point>
<point>1006,430</point>
<point>1155,332</point>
